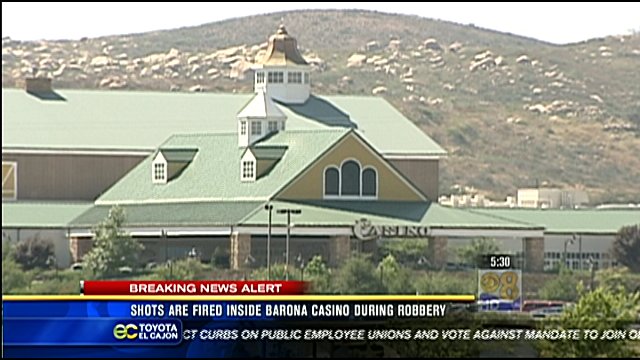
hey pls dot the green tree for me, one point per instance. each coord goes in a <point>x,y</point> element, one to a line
<point>394,277</point>
<point>601,309</point>
<point>469,254</point>
<point>358,276</point>
<point>408,252</point>
<point>277,273</point>
<point>618,278</point>
<point>112,247</point>
<point>33,253</point>
<point>626,248</point>
<point>563,287</point>
<point>319,275</point>
<point>183,269</point>
<point>446,283</point>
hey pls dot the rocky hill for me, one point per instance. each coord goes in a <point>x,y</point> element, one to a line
<point>511,111</point>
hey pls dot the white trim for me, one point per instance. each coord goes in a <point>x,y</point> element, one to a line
<point>346,230</point>
<point>248,157</point>
<point>476,232</point>
<point>296,230</point>
<point>178,200</point>
<point>157,231</point>
<point>359,176</point>
<point>159,160</point>
<point>377,178</point>
<point>412,157</point>
<point>143,153</point>
<point>324,179</point>
<point>14,165</point>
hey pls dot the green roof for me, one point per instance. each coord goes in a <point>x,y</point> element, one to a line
<point>23,214</point>
<point>179,155</point>
<point>569,221</point>
<point>137,120</point>
<point>214,175</point>
<point>173,214</point>
<point>314,213</point>
<point>268,152</point>
<point>340,213</point>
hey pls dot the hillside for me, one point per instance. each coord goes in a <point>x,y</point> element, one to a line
<point>511,111</point>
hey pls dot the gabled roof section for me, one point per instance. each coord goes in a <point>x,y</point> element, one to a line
<point>341,213</point>
<point>117,120</point>
<point>261,107</point>
<point>37,214</point>
<point>282,50</point>
<point>179,155</point>
<point>210,176</point>
<point>172,214</point>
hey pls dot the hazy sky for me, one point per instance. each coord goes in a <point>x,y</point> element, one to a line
<point>553,22</point>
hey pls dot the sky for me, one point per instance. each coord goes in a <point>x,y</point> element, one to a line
<point>557,23</point>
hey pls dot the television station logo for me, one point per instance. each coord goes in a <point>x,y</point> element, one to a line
<point>148,331</point>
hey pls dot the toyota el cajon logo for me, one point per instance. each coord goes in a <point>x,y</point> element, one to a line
<point>148,331</point>
<point>122,331</point>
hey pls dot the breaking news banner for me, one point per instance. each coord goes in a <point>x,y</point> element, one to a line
<point>270,319</point>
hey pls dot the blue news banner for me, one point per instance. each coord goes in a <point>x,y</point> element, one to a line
<point>194,328</point>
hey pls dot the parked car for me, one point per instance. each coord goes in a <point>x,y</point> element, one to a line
<point>533,305</point>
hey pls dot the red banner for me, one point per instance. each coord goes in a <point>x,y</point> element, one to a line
<point>150,287</point>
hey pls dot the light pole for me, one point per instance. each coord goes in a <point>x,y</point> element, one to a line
<point>564,254</point>
<point>579,238</point>
<point>269,208</point>
<point>288,212</point>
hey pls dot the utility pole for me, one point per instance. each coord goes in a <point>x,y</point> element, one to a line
<point>269,208</point>
<point>288,212</point>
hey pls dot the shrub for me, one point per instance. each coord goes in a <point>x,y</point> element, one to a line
<point>358,276</point>
<point>33,253</point>
<point>563,287</point>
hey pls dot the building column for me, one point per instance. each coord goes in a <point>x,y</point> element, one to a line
<point>240,250</point>
<point>534,254</point>
<point>339,249</point>
<point>437,251</point>
<point>79,247</point>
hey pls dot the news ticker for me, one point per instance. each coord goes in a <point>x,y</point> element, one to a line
<point>185,325</point>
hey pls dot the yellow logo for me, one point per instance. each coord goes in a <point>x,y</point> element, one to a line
<point>122,332</point>
<point>506,284</point>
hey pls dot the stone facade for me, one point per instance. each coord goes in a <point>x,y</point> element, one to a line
<point>339,249</point>
<point>79,247</point>
<point>437,252</point>
<point>240,251</point>
<point>534,254</point>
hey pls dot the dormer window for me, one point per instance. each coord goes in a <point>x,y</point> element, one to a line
<point>350,181</point>
<point>260,77</point>
<point>276,77</point>
<point>159,171</point>
<point>243,127</point>
<point>248,170</point>
<point>306,78</point>
<point>170,163</point>
<point>256,128</point>
<point>294,77</point>
<point>273,126</point>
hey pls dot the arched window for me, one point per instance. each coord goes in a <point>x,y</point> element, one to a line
<point>369,182</point>
<point>350,178</point>
<point>331,182</point>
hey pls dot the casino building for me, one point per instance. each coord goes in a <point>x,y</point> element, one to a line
<point>196,171</point>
